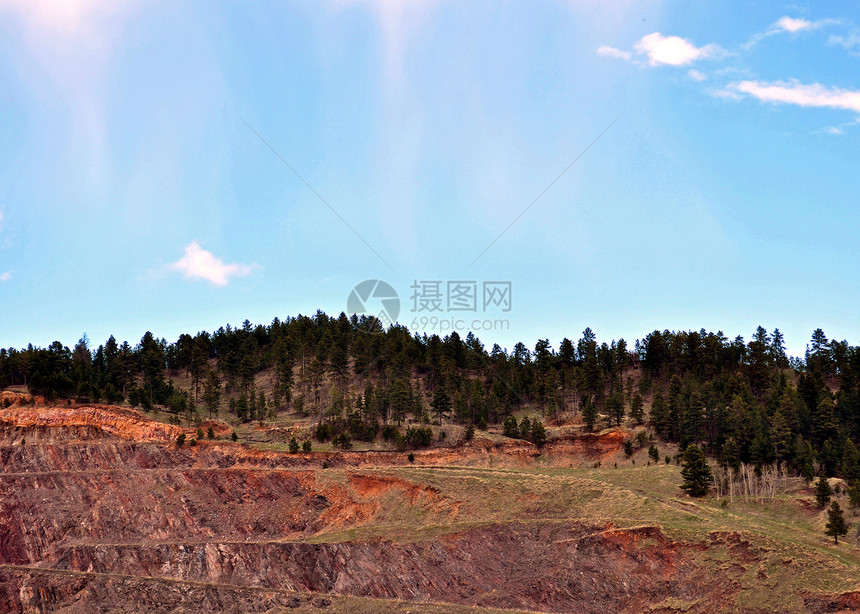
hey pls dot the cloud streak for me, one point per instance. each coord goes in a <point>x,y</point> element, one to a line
<point>657,50</point>
<point>5,276</point>
<point>612,52</point>
<point>848,41</point>
<point>197,263</point>
<point>795,93</point>
<point>791,25</point>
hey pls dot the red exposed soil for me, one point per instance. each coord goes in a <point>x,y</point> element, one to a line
<point>101,507</point>
<point>118,421</point>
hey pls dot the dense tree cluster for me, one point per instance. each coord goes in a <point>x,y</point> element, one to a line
<point>742,402</point>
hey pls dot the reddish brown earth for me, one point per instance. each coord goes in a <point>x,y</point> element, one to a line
<point>101,511</point>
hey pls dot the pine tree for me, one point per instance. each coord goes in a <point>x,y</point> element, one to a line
<point>261,405</point>
<point>589,413</point>
<point>822,491</point>
<point>850,462</point>
<point>731,454</point>
<point>777,349</point>
<point>211,393</point>
<point>637,409</point>
<point>441,402</point>
<point>696,472</point>
<point>242,407</point>
<point>676,407</point>
<point>824,419</point>
<point>615,408</point>
<point>836,524</point>
<point>658,415</point>
<point>854,497</point>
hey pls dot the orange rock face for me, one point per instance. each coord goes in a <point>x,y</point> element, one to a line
<point>101,508</point>
<point>119,421</point>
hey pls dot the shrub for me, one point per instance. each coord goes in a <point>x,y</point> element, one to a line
<point>411,457</point>
<point>234,436</point>
<point>180,441</point>
<point>537,433</point>
<point>323,431</point>
<point>389,432</point>
<point>306,445</point>
<point>511,428</point>
<point>210,433</point>
<point>294,446</point>
<point>525,428</point>
<point>628,448</point>
<point>342,441</point>
<point>419,437</point>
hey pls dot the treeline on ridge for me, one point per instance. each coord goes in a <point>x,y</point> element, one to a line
<point>744,402</point>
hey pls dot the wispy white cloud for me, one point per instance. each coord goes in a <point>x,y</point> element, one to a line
<point>795,93</point>
<point>732,70</point>
<point>673,50</point>
<point>849,41</point>
<point>726,94</point>
<point>398,21</point>
<point>68,45</point>
<point>696,75</point>
<point>197,263</point>
<point>791,25</point>
<point>657,50</point>
<point>5,276</point>
<point>834,130</point>
<point>612,52</point>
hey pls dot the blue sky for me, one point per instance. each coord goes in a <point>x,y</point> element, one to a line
<point>139,189</point>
